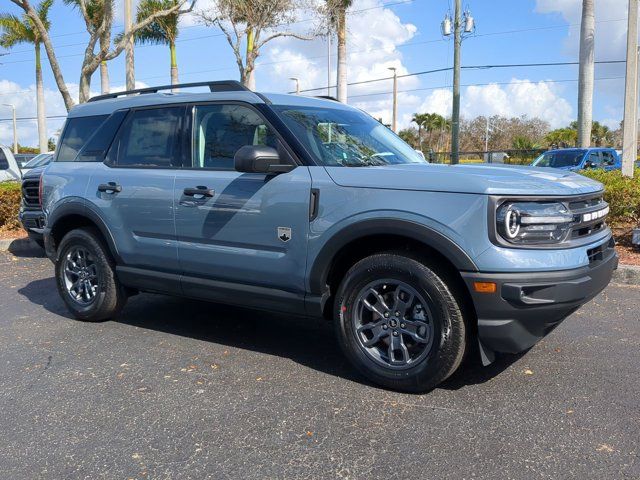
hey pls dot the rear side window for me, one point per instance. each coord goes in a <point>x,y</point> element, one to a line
<point>609,159</point>
<point>76,133</point>
<point>149,138</point>
<point>97,146</point>
<point>4,163</point>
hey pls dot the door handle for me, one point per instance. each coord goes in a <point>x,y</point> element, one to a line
<point>199,190</point>
<point>111,187</point>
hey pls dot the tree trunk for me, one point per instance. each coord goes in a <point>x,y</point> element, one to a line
<point>42,124</point>
<point>85,87</point>
<point>249,79</point>
<point>585,77</point>
<point>174,65</point>
<point>342,55</point>
<point>104,72</point>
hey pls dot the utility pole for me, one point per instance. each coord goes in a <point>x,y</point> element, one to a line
<point>630,123</point>
<point>585,75</point>
<point>297,84</point>
<point>129,60</point>
<point>15,127</point>
<point>394,120</point>
<point>329,63</point>
<point>455,112</point>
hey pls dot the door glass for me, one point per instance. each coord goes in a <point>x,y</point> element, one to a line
<point>4,163</point>
<point>595,159</point>
<point>608,158</point>
<point>219,131</point>
<point>150,138</point>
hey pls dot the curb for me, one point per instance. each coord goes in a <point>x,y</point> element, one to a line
<point>625,274</point>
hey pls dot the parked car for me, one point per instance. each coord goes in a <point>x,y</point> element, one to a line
<point>579,158</point>
<point>38,161</point>
<point>31,215</point>
<point>309,206</point>
<point>9,168</point>
<point>23,158</point>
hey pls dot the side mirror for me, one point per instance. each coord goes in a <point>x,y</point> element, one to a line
<point>259,159</point>
<point>588,164</point>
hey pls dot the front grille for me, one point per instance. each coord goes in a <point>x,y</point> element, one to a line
<point>30,196</point>
<point>589,216</point>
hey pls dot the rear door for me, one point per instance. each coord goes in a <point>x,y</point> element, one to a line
<point>133,189</point>
<point>244,228</point>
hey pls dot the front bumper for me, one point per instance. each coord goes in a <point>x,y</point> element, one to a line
<point>527,306</point>
<point>32,221</point>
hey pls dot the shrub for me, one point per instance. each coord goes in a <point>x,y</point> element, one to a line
<point>9,205</point>
<point>622,194</point>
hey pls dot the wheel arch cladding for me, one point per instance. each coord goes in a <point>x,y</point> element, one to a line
<point>368,237</point>
<point>73,215</point>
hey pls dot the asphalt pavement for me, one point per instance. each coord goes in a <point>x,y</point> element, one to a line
<point>181,389</point>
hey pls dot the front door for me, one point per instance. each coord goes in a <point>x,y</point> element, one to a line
<point>239,228</point>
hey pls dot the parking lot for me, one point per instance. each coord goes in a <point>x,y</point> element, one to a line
<point>186,389</point>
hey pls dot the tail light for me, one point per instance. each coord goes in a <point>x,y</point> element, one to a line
<point>40,189</point>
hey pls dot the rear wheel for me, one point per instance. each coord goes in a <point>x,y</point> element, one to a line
<point>399,322</point>
<point>85,274</point>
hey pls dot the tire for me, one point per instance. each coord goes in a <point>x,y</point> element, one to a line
<point>105,297</point>
<point>433,334</point>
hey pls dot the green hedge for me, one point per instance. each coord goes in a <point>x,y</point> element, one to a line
<point>622,194</point>
<point>9,205</point>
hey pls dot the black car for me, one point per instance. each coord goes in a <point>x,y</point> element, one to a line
<point>31,215</point>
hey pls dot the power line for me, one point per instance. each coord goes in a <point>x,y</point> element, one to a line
<point>306,20</point>
<point>31,118</point>
<point>566,80</point>
<point>467,67</point>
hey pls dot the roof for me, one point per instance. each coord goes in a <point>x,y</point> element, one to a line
<point>106,106</point>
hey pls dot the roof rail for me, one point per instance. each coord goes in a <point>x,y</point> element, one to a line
<point>327,97</point>
<point>218,86</point>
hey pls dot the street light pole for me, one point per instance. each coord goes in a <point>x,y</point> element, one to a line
<point>394,121</point>
<point>630,123</point>
<point>297,84</point>
<point>15,128</point>
<point>455,113</point>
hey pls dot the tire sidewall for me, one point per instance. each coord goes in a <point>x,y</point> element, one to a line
<point>436,365</point>
<point>84,239</point>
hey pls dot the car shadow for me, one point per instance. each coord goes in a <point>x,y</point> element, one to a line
<point>307,341</point>
<point>24,247</point>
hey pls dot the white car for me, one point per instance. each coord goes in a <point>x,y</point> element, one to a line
<point>9,168</point>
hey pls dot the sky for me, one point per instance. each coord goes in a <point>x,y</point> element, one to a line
<point>404,34</point>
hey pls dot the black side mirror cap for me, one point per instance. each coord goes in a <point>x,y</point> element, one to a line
<point>260,159</point>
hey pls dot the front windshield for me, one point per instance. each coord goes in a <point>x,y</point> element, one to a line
<point>38,160</point>
<point>559,159</point>
<point>340,137</point>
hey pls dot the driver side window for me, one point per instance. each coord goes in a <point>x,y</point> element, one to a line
<point>219,131</point>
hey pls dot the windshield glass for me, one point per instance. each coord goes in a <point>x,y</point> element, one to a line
<point>558,159</point>
<point>39,160</point>
<point>339,137</point>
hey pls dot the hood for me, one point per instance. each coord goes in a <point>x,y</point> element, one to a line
<point>480,178</point>
<point>32,172</point>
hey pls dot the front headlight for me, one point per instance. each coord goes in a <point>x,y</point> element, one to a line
<point>525,223</point>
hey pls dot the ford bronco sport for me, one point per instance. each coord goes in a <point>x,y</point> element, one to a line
<point>307,206</point>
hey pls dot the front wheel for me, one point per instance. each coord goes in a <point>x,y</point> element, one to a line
<point>399,323</point>
<point>85,274</point>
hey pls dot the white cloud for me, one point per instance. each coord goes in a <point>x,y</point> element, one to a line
<point>24,99</point>
<point>374,34</point>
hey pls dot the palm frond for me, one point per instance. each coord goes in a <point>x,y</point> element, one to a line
<point>14,31</point>
<point>163,30</point>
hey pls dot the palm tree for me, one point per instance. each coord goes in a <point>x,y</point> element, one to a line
<point>15,30</point>
<point>337,11</point>
<point>162,31</point>
<point>419,119</point>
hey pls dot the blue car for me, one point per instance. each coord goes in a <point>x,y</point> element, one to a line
<point>579,158</point>
<point>309,206</point>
